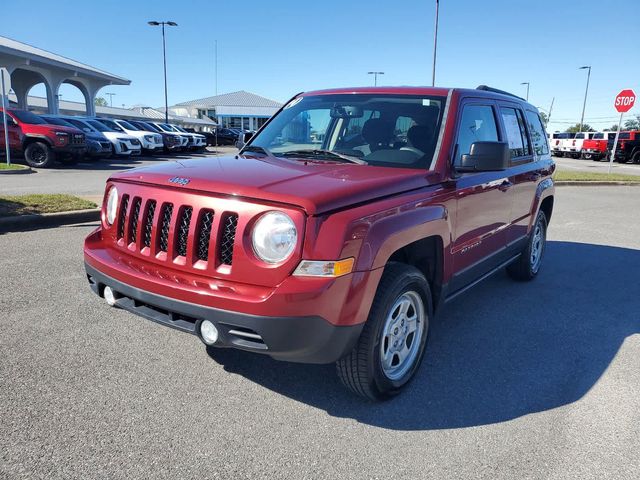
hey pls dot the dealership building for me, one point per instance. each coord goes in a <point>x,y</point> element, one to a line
<point>231,110</point>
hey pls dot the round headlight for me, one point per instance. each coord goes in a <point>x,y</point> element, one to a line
<point>274,237</point>
<point>112,205</point>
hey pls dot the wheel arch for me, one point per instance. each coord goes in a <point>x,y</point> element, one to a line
<point>29,139</point>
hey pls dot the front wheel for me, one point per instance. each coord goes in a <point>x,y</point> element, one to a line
<point>39,155</point>
<point>527,266</point>
<point>393,340</point>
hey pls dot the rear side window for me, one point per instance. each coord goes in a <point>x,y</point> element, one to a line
<point>478,124</point>
<point>536,131</point>
<point>516,132</point>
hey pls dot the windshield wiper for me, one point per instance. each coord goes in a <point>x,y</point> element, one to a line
<point>256,148</point>
<point>318,154</point>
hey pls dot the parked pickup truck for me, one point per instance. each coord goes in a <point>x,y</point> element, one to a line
<point>558,141</point>
<point>340,249</point>
<point>628,149</point>
<point>595,148</point>
<point>572,145</point>
<point>41,143</point>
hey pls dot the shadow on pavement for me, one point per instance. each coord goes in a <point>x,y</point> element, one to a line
<point>504,350</point>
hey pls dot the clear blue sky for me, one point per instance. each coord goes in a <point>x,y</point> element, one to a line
<point>278,48</point>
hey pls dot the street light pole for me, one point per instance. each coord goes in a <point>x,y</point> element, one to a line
<point>435,46</point>
<point>375,77</point>
<point>164,60</point>
<point>110,98</point>
<point>527,84</point>
<point>586,90</point>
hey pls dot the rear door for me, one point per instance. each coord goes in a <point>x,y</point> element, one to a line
<point>529,161</point>
<point>483,199</point>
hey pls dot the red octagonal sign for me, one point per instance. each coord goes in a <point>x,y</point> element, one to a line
<point>625,100</point>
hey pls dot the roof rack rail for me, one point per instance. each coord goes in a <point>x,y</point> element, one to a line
<point>495,90</point>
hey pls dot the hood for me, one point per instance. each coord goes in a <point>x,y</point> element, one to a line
<point>44,128</point>
<point>314,186</point>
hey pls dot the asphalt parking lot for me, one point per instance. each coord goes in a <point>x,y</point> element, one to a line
<point>573,164</point>
<point>524,381</point>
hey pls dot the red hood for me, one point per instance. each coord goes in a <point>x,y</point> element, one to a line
<point>47,129</point>
<point>316,187</point>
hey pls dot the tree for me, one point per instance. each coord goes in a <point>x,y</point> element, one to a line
<point>612,128</point>
<point>100,102</point>
<point>632,123</point>
<point>576,128</point>
<point>545,119</point>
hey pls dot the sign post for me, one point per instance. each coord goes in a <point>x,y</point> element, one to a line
<point>5,86</point>
<point>623,103</point>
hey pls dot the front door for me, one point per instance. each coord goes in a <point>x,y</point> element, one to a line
<point>483,200</point>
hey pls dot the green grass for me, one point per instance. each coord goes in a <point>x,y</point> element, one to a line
<point>12,205</point>
<point>13,166</point>
<point>571,176</point>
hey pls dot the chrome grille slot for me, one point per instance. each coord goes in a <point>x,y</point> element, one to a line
<point>148,223</point>
<point>133,225</point>
<point>228,238</point>
<point>163,238</point>
<point>123,215</point>
<point>183,231</point>
<point>204,234</point>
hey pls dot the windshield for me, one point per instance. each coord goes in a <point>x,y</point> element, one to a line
<point>383,130</point>
<point>57,121</point>
<point>170,128</point>
<point>147,126</point>
<point>27,117</point>
<point>113,126</point>
<point>103,127</point>
<point>127,125</point>
<point>180,129</point>
<point>81,125</point>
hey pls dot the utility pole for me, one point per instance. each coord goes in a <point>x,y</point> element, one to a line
<point>550,108</point>
<point>110,98</point>
<point>435,46</point>
<point>586,90</point>
<point>164,60</point>
<point>527,84</point>
<point>375,77</point>
<point>216,69</point>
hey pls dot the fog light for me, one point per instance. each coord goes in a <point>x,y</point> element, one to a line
<point>110,296</point>
<point>208,332</point>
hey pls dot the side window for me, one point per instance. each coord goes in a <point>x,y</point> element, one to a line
<point>516,133</point>
<point>478,124</point>
<point>537,134</point>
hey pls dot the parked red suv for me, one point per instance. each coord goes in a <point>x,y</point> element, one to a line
<point>40,143</point>
<point>337,231</point>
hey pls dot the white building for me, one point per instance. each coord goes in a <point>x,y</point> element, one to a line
<point>231,110</point>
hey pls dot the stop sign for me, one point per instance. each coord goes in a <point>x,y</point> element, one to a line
<point>625,100</point>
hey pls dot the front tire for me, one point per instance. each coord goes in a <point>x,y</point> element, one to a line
<point>393,340</point>
<point>39,155</point>
<point>527,266</point>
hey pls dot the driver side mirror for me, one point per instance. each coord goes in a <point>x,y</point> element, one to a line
<point>485,157</point>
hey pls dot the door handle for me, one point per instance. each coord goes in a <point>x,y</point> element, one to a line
<point>504,186</point>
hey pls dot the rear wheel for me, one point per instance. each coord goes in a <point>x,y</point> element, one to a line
<point>39,155</point>
<point>527,266</point>
<point>393,340</point>
<point>636,157</point>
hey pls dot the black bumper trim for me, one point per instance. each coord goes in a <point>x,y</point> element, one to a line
<point>309,339</point>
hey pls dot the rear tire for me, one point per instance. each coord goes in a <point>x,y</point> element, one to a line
<point>527,266</point>
<point>392,343</point>
<point>39,155</point>
<point>635,158</point>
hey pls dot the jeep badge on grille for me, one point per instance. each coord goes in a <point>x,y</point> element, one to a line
<point>179,180</point>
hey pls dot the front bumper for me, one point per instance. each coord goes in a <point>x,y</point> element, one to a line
<point>305,339</point>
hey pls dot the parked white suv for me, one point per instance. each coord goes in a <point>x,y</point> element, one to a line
<point>123,144</point>
<point>572,147</point>
<point>185,138</point>
<point>151,141</point>
<point>198,142</point>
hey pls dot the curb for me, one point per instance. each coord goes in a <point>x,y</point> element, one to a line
<point>595,183</point>
<point>18,171</point>
<point>46,220</point>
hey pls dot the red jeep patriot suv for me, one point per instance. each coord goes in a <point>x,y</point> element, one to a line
<point>337,231</point>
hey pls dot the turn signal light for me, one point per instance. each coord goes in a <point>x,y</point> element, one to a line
<point>319,268</point>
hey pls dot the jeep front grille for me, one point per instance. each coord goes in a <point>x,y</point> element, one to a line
<point>180,231</point>
<point>228,238</point>
<point>167,210</point>
<point>204,233</point>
